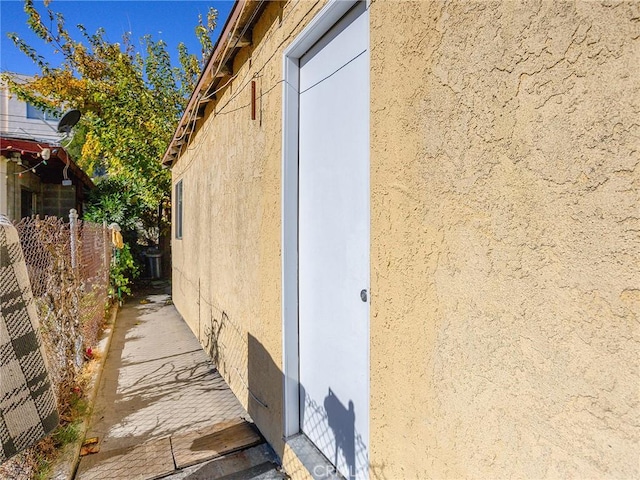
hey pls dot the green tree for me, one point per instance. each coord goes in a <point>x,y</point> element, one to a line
<point>130,100</point>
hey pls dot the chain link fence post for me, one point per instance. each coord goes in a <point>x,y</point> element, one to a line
<point>105,250</point>
<point>65,263</point>
<point>73,226</point>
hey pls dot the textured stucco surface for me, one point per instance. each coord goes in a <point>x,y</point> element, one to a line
<point>226,268</point>
<point>505,239</point>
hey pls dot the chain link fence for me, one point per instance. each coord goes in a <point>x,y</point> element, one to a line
<point>68,265</point>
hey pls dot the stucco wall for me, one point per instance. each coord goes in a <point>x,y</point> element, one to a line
<point>505,244</point>
<point>504,250</point>
<point>226,268</point>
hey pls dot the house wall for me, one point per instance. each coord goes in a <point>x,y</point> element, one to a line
<point>58,200</point>
<point>504,238</point>
<point>505,279</point>
<point>14,121</point>
<point>4,185</point>
<point>226,268</point>
<point>13,185</point>
<point>50,199</point>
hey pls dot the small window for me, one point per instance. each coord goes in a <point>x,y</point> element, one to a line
<point>178,217</point>
<point>35,113</point>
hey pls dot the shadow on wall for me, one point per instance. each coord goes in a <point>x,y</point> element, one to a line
<point>331,427</point>
<point>342,421</point>
<point>264,385</point>
<point>327,420</point>
<point>330,423</point>
<point>211,340</point>
<point>225,343</point>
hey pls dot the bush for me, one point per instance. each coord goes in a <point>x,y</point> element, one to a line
<point>123,270</point>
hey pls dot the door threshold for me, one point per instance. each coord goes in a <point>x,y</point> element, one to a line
<point>312,459</point>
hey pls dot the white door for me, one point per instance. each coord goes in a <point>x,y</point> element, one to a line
<point>333,244</point>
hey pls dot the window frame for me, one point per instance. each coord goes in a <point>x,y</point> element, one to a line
<point>179,215</point>
<point>34,113</point>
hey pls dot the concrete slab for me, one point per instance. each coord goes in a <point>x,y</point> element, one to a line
<point>217,440</point>
<point>157,383</point>
<point>143,462</point>
<point>272,474</point>
<point>241,462</point>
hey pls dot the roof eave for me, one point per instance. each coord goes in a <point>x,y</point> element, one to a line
<point>241,14</point>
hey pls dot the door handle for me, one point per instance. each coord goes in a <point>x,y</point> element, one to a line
<point>363,294</point>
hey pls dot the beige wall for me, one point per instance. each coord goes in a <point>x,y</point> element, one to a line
<point>504,153</point>
<point>505,246</point>
<point>226,269</point>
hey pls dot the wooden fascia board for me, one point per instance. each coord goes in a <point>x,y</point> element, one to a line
<point>208,75</point>
<point>57,152</point>
<point>240,41</point>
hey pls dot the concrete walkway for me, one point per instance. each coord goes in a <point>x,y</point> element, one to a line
<point>163,410</point>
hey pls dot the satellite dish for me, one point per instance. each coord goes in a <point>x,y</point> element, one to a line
<point>68,121</point>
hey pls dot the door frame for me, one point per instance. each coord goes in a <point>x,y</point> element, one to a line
<point>316,29</point>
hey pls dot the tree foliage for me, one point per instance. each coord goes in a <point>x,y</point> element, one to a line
<point>130,100</point>
<point>115,199</point>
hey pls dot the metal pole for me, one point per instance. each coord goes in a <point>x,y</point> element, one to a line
<point>73,226</point>
<point>105,248</point>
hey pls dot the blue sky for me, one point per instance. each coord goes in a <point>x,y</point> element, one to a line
<point>171,21</point>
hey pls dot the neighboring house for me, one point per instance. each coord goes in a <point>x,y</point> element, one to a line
<point>32,184</point>
<point>407,233</point>
<point>29,183</point>
<point>23,120</point>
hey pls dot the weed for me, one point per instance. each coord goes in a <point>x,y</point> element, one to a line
<point>66,434</point>
<point>42,467</point>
